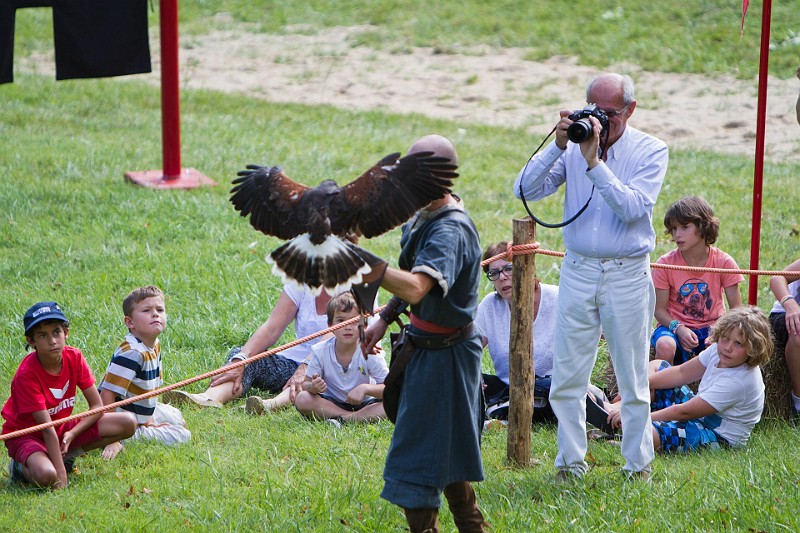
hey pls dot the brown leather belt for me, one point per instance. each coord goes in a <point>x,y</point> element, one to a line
<point>430,327</point>
<point>440,342</point>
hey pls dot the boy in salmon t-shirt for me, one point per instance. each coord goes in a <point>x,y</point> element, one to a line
<point>688,303</point>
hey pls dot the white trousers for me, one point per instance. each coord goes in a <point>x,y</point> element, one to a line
<point>615,297</point>
<point>169,429</point>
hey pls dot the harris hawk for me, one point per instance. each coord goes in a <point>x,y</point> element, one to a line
<point>316,220</point>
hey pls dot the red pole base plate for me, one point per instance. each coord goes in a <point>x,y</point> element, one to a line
<point>189,178</point>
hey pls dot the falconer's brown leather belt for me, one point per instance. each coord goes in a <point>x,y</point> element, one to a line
<point>438,337</point>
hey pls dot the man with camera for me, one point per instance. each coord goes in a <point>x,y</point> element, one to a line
<point>613,174</point>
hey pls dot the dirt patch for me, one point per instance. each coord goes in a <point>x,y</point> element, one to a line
<point>495,86</point>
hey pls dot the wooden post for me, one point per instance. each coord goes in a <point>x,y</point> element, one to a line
<point>520,412</point>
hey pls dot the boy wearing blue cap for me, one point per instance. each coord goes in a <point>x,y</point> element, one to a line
<point>43,390</point>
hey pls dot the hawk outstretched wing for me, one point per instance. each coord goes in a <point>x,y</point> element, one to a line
<point>390,192</point>
<point>272,199</point>
<point>314,218</point>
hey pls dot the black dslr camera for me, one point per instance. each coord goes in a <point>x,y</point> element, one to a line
<point>581,128</point>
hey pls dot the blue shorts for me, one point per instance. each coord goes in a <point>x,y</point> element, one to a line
<point>681,355</point>
<point>686,436</point>
<point>349,406</point>
<point>681,436</point>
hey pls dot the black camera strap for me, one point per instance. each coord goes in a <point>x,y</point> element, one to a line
<point>603,144</point>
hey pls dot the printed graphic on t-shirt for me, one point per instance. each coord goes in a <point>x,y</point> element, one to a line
<point>695,298</point>
<point>58,394</point>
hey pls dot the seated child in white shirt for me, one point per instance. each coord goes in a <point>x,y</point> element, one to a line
<point>341,384</point>
<point>730,397</point>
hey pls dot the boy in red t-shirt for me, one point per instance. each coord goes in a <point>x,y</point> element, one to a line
<point>688,303</point>
<point>43,389</point>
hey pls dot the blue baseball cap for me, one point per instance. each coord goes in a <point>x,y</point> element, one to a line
<point>40,312</point>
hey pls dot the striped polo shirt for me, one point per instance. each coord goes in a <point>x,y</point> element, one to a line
<point>134,369</point>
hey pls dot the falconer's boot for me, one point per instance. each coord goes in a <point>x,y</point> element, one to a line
<point>461,498</point>
<point>422,520</point>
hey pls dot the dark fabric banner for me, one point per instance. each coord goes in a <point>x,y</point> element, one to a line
<point>93,38</point>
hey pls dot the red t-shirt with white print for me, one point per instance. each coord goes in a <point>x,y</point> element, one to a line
<point>34,389</point>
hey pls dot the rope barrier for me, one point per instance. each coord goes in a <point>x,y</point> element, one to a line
<point>178,385</point>
<point>521,249</point>
<point>535,248</point>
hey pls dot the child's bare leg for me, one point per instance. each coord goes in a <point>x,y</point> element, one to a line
<point>39,470</point>
<point>656,441</point>
<point>222,393</point>
<point>212,397</point>
<point>652,367</point>
<point>374,411</point>
<point>315,406</point>
<point>283,399</point>
<point>113,427</point>
<point>665,348</point>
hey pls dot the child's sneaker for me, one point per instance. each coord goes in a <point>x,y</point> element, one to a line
<point>177,397</point>
<point>15,472</point>
<point>254,405</point>
<point>597,416</point>
<point>336,422</point>
<point>494,423</point>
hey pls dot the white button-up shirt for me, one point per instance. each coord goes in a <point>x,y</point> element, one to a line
<point>619,219</point>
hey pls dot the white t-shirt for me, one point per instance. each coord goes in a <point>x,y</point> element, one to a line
<point>341,381</point>
<point>306,322</point>
<point>494,321</point>
<point>794,290</point>
<point>736,393</point>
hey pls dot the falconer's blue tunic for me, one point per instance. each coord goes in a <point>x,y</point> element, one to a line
<point>436,439</point>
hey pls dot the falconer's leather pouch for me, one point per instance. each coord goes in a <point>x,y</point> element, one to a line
<point>402,350</point>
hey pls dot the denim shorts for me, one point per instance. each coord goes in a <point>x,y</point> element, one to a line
<point>681,355</point>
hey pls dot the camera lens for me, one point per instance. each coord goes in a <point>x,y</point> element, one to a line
<point>579,131</point>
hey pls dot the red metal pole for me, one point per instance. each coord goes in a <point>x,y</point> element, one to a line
<point>758,174</point>
<point>170,92</point>
<point>172,176</point>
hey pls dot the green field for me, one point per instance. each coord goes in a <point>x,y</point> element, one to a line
<point>72,230</point>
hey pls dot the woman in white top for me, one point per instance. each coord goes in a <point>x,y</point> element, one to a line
<point>494,321</point>
<point>281,373</point>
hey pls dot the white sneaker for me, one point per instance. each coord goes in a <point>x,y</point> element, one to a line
<point>494,423</point>
<point>177,397</point>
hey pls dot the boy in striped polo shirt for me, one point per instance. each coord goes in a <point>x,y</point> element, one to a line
<point>135,369</point>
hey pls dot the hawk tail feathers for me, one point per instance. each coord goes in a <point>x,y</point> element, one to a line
<point>333,266</point>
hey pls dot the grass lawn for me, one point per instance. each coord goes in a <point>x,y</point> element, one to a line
<point>72,230</point>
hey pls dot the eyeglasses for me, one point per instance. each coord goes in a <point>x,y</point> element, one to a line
<point>687,288</point>
<point>494,275</point>
<point>611,113</point>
